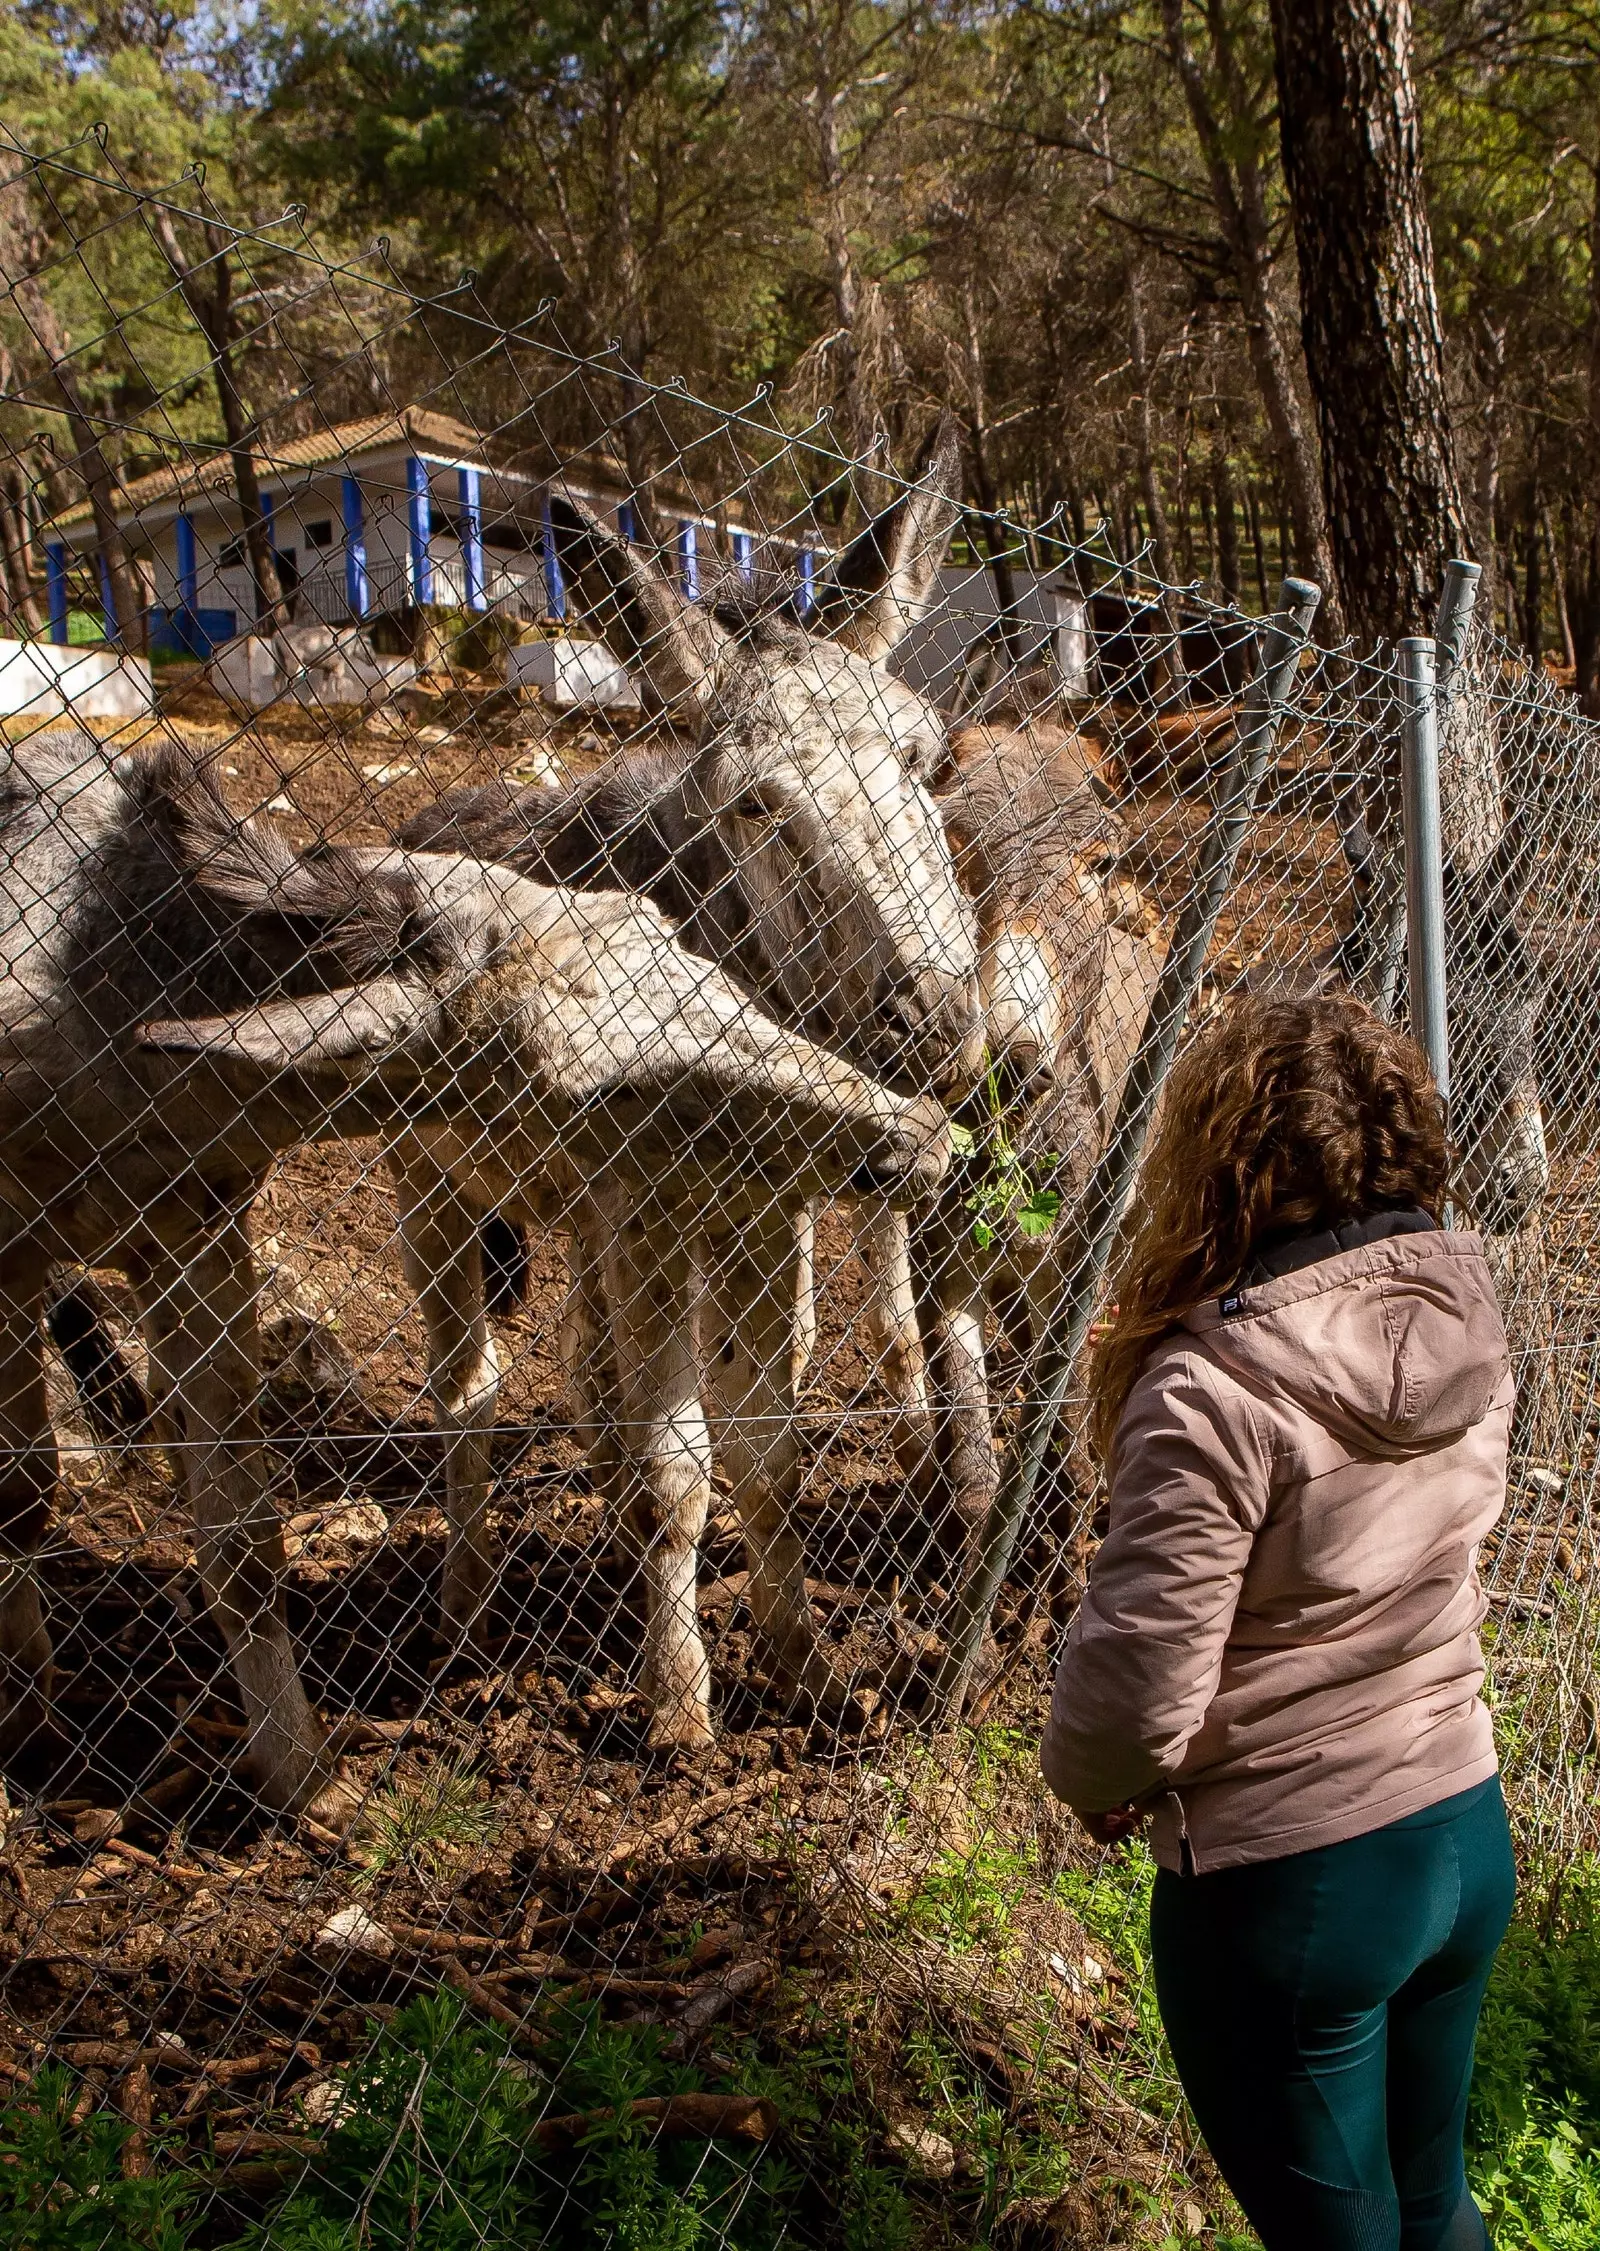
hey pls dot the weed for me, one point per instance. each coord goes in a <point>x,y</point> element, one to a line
<point>1534,2132</point>
<point>61,2181</point>
<point>422,1824</point>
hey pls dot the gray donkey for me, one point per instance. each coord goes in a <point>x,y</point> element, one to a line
<point>791,841</point>
<point>185,998</point>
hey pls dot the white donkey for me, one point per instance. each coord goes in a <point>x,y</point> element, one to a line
<point>185,998</point>
<point>793,842</point>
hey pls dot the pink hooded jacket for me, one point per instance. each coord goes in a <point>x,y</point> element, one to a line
<point>1278,1647</point>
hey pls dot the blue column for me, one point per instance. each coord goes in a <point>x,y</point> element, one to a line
<point>186,625</point>
<point>471,537</point>
<point>555,591</point>
<point>355,549</point>
<point>628,522</point>
<point>808,572</point>
<point>744,555</point>
<point>689,561</point>
<point>108,601</point>
<point>55,569</point>
<point>420,517</point>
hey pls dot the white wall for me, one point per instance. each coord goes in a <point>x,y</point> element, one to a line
<point>39,680</point>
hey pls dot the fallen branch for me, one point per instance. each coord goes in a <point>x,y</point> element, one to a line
<point>179,1870</point>
<point>425,1941</point>
<point>676,1825</point>
<point>716,1995</point>
<point>484,2001</point>
<point>259,2144</point>
<point>750,2118</point>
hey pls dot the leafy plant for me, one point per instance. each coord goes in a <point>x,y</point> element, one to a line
<point>1006,1192</point>
<point>62,2187</point>
<point>1534,2132</point>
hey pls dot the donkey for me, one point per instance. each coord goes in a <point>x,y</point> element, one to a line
<point>1069,956</point>
<point>790,840</point>
<point>186,998</point>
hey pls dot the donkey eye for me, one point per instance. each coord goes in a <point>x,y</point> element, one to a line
<point>752,807</point>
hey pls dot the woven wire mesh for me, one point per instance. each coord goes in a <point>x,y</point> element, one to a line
<point>535,1718</point>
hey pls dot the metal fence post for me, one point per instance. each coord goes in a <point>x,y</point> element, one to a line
<point>1458,598</point>
<point>1280,641</point>
<point>1419,784</point>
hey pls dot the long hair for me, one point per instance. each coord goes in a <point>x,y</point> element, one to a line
<point>1283,1117</point>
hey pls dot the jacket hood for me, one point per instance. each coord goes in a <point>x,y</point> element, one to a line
<point>1395,1348</point>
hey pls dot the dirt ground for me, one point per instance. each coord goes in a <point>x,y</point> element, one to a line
<point>158,1930</point>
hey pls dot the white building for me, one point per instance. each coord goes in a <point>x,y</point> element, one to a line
<point>372,519</point>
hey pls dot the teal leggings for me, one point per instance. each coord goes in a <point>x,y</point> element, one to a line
<point>1322,2011</point>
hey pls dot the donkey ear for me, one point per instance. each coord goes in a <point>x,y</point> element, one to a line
<point>345,1030</point>
<point>671,643</point>
<point>888,575</point>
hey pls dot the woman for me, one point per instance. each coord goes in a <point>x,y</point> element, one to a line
<point>1303,1406</point>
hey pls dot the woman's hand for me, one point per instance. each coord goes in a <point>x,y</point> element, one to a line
<point>1113,1828</point>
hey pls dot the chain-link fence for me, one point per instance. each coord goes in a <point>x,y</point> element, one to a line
<point>584,977</point>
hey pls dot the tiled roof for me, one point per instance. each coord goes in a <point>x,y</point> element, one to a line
<point>340,441</point>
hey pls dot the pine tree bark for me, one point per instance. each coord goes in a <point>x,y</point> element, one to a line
<point>1369,310</point>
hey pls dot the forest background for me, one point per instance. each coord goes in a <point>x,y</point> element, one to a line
<point>1066,219</point>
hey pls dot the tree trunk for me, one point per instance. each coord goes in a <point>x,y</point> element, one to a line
<point>1239,197</point>
<point>1587,622</point>
<point>211,310</point>
<point>1144,433</point>
<point>1533,583</point>
<point>1369,311</point>
<point>13,529</point>
<point>994,530</point>
<point>1226,500</point>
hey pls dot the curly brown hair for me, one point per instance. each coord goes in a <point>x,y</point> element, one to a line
<point>1284,1116</point>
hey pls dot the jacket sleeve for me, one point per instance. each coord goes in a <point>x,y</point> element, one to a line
<point>1143,1657</point>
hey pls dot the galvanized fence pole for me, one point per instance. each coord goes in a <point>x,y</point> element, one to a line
<point>1458,598</point>
<point>1280,641</point>
<point>1419,790</point>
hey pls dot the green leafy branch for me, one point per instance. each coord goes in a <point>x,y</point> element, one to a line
<point>1006,1191</point>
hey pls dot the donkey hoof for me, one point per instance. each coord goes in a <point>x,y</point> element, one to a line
<point>686,1728</point>
<point>337,1806</point>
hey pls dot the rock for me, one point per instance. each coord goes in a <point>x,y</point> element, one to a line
<point>1194,2220</point>
<point>351,1930</point>
<point>97,1824</point>
<point>922,2150</point>
<point>325,2102</point>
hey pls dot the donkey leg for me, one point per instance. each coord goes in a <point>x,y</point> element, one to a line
<point>207,1293</point>
<point>952,1303</point>
<point>652,1288</point>
<point>750,1299</point>
<point>883,1239</point>
<point>588,1355</point>
<point>803,1348</point>
<point>28,1472</point>
<point>443,1260</point>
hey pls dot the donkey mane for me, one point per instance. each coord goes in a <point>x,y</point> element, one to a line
<point>340,915</point>
<point>624,827</point>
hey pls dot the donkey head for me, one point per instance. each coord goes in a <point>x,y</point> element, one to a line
<point>370,989</point>
<point>839,900</point>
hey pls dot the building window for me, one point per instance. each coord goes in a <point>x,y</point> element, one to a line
<point>320,535</point>
<point>232,556</point>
